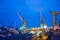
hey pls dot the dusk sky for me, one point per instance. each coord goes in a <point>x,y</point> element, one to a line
<point>29,10</point>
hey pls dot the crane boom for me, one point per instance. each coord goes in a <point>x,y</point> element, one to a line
<point>20,16</point>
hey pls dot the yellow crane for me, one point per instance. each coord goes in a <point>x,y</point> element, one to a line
<point>53,14</point>
<point>44,37</point>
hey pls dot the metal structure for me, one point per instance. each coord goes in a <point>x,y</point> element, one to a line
<point>22,19</point>
<point>42,22</point>
<point>53,14</point>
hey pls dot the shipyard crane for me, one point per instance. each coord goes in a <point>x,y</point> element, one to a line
<point>55,28</point>
<point>22,19</point>
<point>44,37</point>
<point>53,15</point>
<point>42,22</point>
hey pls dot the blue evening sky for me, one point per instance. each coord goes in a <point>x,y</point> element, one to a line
<point>29,10</point>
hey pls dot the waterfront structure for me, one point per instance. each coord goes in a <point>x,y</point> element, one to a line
<point>23,28</point>
<point>53,14</point>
